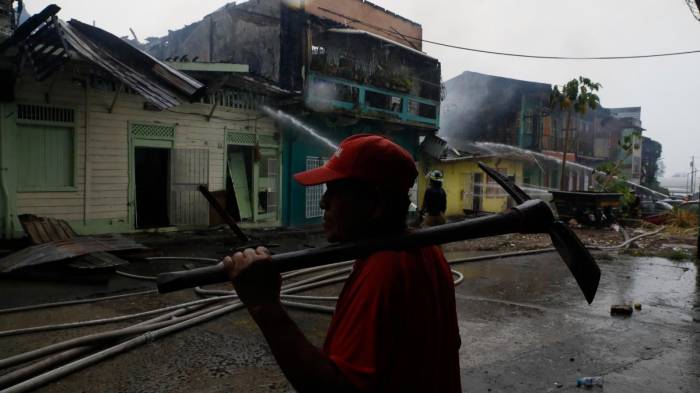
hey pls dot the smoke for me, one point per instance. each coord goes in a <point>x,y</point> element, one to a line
<point>481,107</point>
<point>502,150</point>
<point>321,95</point>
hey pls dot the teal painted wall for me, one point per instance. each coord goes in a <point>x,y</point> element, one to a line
<point>299,145</point>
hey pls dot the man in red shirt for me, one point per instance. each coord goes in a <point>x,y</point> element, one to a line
<point>395,325</point>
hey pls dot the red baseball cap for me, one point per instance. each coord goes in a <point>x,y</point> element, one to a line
<point>371,158</point>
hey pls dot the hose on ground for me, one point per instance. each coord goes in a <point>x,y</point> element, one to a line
<point>74,302</point>
<point>102,321</point>
<point>204,315</point>
<point>629,241</point>
<point>59,358</point>
<point>220,293</point>
<point>140,328</point>
<point>147,337</point>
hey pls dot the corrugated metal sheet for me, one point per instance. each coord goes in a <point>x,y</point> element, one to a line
<point>51,42</point>
<point>161,84</point>
<point>189,169</point>
<point>44,230</point>
<point>97,260</point>
<point>66,249</point>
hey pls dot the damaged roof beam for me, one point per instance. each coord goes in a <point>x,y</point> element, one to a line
<point>116,97</point>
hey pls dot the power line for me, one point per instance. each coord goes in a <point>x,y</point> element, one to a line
<point>510,54</point>
<point>667,54</point>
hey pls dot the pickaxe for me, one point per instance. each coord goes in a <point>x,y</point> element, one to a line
<point>530,216</point>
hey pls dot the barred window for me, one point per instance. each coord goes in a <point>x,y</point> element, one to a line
<point>314,193</point>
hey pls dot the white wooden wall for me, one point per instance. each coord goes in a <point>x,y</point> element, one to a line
<point>107,157</point>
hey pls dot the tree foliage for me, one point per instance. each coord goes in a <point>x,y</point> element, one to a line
<point>576,96</point>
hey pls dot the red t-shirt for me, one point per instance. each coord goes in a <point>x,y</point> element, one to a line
<point>395,324</point>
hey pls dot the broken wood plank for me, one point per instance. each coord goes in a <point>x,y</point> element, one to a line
<point>43,230</point>
<point>223,213</point>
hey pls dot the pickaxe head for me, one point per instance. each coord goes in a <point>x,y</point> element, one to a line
<point>572,251</point>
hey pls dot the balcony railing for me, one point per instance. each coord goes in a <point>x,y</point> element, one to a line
<point>325,93</point>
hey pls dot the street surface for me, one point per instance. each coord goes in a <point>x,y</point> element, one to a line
<point>525,327</point>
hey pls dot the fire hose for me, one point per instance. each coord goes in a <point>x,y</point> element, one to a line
<point>81,350</point>
<point>530,216</point>
<point>148,331</point>
<point>222,295</point>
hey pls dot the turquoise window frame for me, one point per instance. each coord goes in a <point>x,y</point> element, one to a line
<point>253,139</point>
<point>362,106</point>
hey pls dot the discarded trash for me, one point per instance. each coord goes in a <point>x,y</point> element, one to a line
<point>621,309</point>
<point>615,227</point>
<point>589,381</point>
<point>637,306</point>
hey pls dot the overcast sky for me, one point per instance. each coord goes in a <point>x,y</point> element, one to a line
<point>667,89</point>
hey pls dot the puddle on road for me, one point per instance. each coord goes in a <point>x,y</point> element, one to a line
<point>668,290</point>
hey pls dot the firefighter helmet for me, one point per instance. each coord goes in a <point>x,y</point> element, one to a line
<point>435,175</point>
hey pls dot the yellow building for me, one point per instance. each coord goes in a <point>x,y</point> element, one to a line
<point>468,188</point>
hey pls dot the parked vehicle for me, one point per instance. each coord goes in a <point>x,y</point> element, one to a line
<point>588,208</point>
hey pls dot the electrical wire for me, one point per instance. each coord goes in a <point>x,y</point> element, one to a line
<point>510,54</point>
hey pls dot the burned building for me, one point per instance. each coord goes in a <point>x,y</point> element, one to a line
<point>115,135</point>
<point>609,135</point>
<point>356,67</point>
<point>485,108</point>
<point>481,107</point>
<point>102,135</point>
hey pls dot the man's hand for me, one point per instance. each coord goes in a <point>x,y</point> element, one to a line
<point>256,281</point>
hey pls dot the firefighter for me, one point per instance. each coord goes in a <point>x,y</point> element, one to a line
<point>395,324</point>
<point>434,201</point>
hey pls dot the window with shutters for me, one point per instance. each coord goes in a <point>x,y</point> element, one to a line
<point>45,158</point>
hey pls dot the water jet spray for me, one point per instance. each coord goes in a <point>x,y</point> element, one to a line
<point>297,124</point>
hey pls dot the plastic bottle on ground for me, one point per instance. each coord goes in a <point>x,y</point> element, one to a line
<point>589,381</point>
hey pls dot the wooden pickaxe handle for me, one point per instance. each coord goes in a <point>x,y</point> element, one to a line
<point>530,217</point>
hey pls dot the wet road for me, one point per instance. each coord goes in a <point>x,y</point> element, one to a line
<point>524,324</point>
<point>525,327</point>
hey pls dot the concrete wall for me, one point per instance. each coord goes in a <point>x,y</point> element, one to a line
<point>99,201</point>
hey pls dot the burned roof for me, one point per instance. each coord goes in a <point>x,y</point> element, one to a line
<point>348,31</point>
<point>50,42</point>
<point>461,149</point>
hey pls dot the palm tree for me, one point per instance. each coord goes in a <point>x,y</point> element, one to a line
<point>577,96</point>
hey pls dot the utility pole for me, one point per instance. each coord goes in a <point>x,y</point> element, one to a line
<point>693,173</point>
